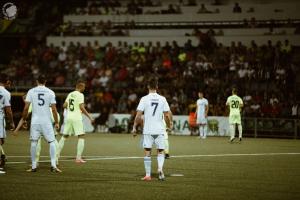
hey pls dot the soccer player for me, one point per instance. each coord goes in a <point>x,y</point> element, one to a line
<point>154,107</point>
<point>73,122</point>
<point>166,136</point>
<point>39,143</point>
<point>5,109</point>
<point>201,114</point>
<point>40,97</point>
<point>235,104</point>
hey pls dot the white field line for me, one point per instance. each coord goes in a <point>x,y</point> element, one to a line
<point>97,158</point>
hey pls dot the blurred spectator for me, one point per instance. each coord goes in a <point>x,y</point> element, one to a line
<point>237,8</point>
<point>203,9</point>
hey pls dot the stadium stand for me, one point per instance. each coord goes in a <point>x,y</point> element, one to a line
<point>115,50</point>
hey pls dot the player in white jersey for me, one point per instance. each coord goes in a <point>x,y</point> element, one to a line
<point>5,110</point>
<point>41,98</point>
<point>73,125</point>
<point>201,114</point>
<point>235,104</point>
<point>154,107</point>
<point>166,134</point>
<point>39,143</point>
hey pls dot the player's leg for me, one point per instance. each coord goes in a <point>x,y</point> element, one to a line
<point>2,140</point>
<point>78,130</point>
<point>38,150</point>
<point>204,131</point>
<point>2,153</point>
<point>160,145</point>
<point>232,132</point>
<point>80,148</point>
<point>35,134</point>
<point>61,145</point>
<point>167,150</point>
<point>201,131</point>
<point>231,128</point>
<point>33,155</point>
<point>56,147</point>
<point>147,144</point>
<point>48,133</point>
<point>66,130</point>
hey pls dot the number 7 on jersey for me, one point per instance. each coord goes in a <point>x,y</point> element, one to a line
<point>155,107</point>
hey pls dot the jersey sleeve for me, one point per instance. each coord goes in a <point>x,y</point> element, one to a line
<point>206,102</point>
<point>7,100</point>
<point>166,107</point>
<point>30,108</point>
<point>228,102</point>
<point>141,106</point>
<point>28,97</point>
<point>81,99</point>
<point>52,98</point>
<point>241,101</point>
<point>67,99</point>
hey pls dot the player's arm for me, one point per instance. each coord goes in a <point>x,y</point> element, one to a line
<point>137,120</point>
<point>23,118</point>
<point>65,105</point>
<point>168,116</point>
<point>85,112</point>
<point>196,111</point>
<point>206,110</point>
<point>55,115</point>
<point>9,115</point>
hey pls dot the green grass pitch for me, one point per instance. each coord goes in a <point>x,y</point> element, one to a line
<point>218,170</point>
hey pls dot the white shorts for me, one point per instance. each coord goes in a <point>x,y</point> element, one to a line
<point>2,129</point>
<point>166,135</point>
<point>235,119</point>
<point>38,130</point>
<point>201,120</point>
<point>158,140</point>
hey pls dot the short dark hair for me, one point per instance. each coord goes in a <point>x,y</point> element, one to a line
<point>152,83</point>
<point>234,90</point>
<point>80,81</point>
<point>42,79</point>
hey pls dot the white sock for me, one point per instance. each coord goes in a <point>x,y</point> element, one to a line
<point>166,146</point>
<point>52,154</point>
<point>232,131</point>
<point>205,131</point>
<point>1,150</point>
<point>61,144</point>
<point>147,163</point>
<point>160,161</point>
<point>56,147</point>
<point>80,147</point>
<point>201,131</point>
<point>240,128</point>
<point>33,153</point>
<point>38,150</point>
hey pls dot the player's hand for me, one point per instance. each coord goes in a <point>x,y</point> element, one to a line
<point>205,115</point>
<point>14,133</point>
<point>56,126</point>
<point>92,121</point>
<point>25,125</point>
<point>12,126</point>
<point>134,132</point>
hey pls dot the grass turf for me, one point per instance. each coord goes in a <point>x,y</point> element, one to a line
<point>215,177</point>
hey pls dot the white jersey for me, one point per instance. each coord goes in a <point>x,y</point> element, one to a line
<point>41,98</point>
<point>153,105</point>
<point>201,104</point>
<point>4,101</point>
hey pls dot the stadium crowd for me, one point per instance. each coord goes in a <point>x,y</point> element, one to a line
<point>265,75</point>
